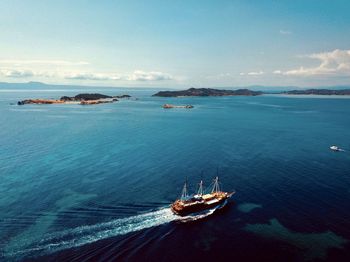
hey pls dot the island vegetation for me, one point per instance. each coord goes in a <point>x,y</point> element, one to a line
<point>340,92</point>
<point>208,92</point>
<point>83,99</point>
<point>96,98</point>
<point>247,92</point>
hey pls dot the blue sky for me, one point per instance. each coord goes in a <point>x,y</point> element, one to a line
<point>176,43</point>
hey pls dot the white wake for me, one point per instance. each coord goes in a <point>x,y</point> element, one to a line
<point>87,234</point>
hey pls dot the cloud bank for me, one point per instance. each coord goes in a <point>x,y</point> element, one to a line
<point>140,75</point>
<point>254,73</point>
<point>17,62</point>
<point>71,70</point>
<point>91,76</point>
<point>334,63</point>
<point>16,73</point>
<point>137,75</point>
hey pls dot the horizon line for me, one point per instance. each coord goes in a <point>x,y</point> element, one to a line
<point>159,87</point>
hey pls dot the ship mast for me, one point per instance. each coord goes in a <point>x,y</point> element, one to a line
<point>184,194</point>
<point>216,186</point>
<point>200,189</point>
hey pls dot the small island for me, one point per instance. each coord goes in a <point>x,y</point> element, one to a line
<point>327,92</point>
<point>168,106</point>
<point>82,99</point>
<point>208,92</point>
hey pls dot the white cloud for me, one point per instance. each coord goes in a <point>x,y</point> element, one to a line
<point>255,73</point>
<point>17,62</point>
<point>285,32</point>
<point>277,72</point>
<point>137,75</point>
<point>140,75</point>
<point>16,73</point>
<point>63,69</point>
<point>336,62</point>
<point>91,76</point>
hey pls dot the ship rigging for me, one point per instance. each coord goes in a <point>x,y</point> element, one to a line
<point>187,204</point>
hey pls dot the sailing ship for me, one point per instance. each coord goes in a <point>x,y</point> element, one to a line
<point>200,201</point>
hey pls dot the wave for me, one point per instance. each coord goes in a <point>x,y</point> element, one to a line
<point>29,110</point>
<point>267,105</point>
<point>201,215</point>
<point>87,234</point>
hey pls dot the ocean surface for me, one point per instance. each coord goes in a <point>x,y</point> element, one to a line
<point>94,183</point>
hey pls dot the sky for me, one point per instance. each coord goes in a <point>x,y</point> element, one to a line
<point>171,43</point>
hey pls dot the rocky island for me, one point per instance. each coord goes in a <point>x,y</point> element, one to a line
<point>327,92</point>
<point>82,99</point>
<point>208,92</point>
<point>168,106</point>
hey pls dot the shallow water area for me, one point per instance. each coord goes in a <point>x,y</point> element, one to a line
<point>95,182</point>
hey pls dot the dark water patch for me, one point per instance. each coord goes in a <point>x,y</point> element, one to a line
<point>313,245</point>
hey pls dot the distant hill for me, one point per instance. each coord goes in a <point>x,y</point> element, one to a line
<point>274,89</point>
<point>18,85</point>
<point>252,90</point>
<point>208,92</point>
<point>318,92</point>
<point>40,85</point>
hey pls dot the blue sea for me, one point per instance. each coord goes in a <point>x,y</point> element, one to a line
<point>94,183</point>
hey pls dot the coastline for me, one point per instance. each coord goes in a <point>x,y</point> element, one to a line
<point>312,96</point>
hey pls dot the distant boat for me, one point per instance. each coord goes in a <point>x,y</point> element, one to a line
<point>200,201</point>
<point>168,106</point>
<point>336,149</point>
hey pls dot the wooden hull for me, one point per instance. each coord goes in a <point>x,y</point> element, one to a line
<point>183,210</point>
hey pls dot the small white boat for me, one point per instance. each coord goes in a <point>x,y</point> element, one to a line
<point>337,149</point>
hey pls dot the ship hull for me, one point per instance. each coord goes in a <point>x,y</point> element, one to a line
<point>181,210</point>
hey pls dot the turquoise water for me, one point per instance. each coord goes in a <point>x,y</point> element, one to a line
<point>95,182</point>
